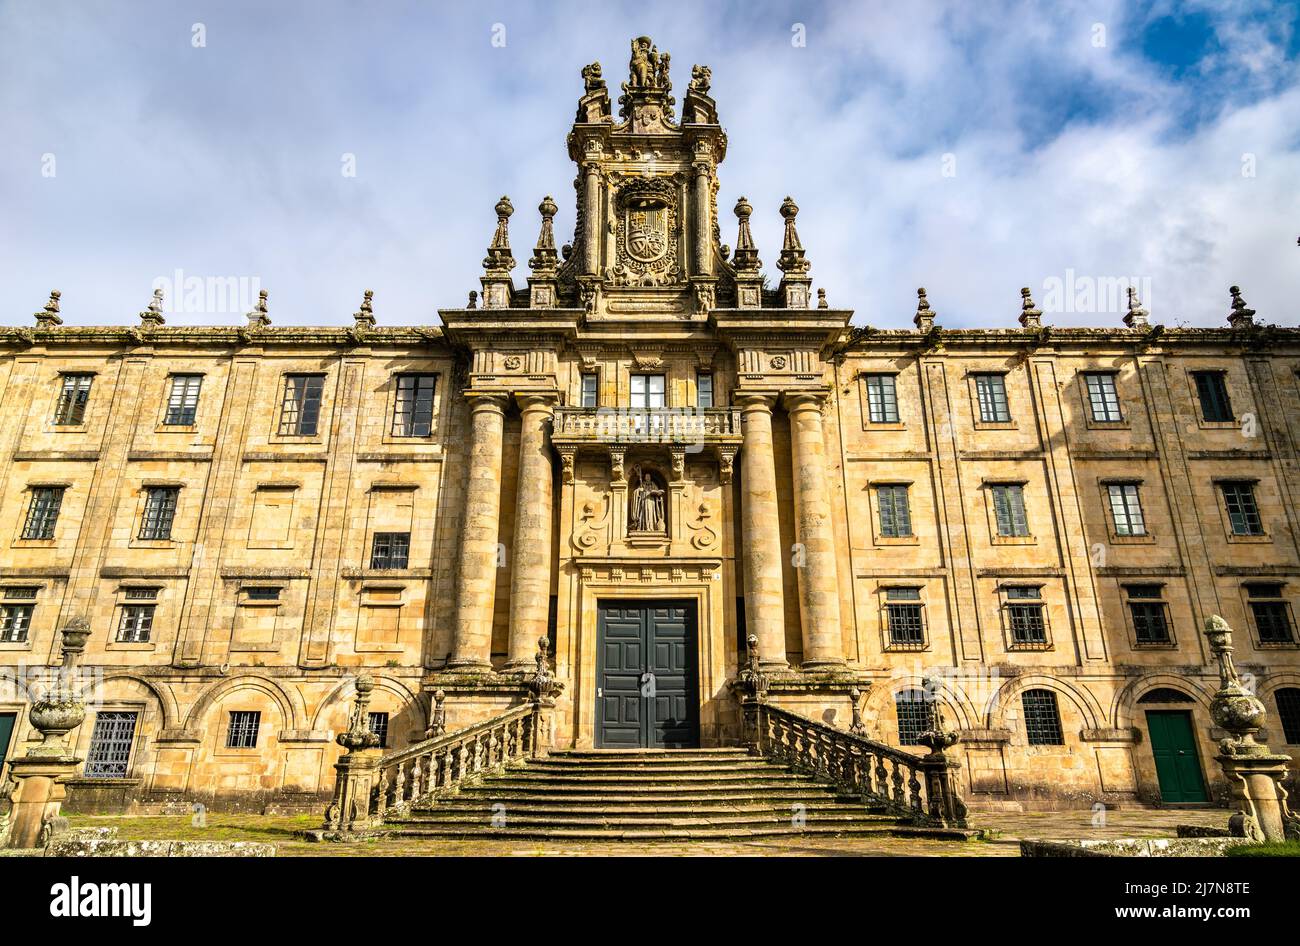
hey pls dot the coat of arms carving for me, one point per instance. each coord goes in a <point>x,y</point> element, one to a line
<point>647,234</point>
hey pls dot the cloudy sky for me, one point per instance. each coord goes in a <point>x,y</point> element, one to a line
<point>972,148</point>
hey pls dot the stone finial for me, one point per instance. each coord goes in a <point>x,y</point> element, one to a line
<point>365,316</point>
<point>473,299</point>
<point>924,318</point>
<point>745,258</point>
<point>437,716</point>
<point>1030,315</point>
<point>359,735</point>
<point>542,683</point>
<point>258,317</point>
<point>821,299</point>
<point>544,258</point>
<point>1136,318</point>
<point>49,316</point>
<point>1234,708</point>
<point>153,315</point>
<point>792,261</point>
<point>857,727</point>
<point>499,260</point>
<point>1241,315</point>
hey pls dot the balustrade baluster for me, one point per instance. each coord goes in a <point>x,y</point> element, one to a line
<point>896,779</point>
<point>381,792</point>
<point>913,789</point>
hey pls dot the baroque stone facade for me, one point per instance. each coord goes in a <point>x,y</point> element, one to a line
<point>1036,520</point>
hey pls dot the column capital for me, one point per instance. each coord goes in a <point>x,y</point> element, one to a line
<point>756,400</point>
<point>804,400</point>
<point>495,401</point>
<point>536,401</point>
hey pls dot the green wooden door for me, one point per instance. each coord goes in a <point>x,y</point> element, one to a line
<point>6,735</point>
<point>1178,765</point>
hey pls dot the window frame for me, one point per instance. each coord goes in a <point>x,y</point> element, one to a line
<point>248,732</point>
<point>978,379</point>
<point>996,488</point>
<point>152,520</point>
<point>390,551</point>
<point>8,633</point>
<point>1277,601</point>
<point>924,716</point>
<point>647,393</point>
<point>118,765</point>
<point>912,598</point>
<point>1109,489</point>
<point>290,422</point>
<point>886,399</point>
<point>47,518</point>
<point>594,378</point>
<point>1091,401</point>
<point>1288,719</point>
<point>71,411</point>
<point>130,628</point>
<point>1246,488</point>
<point>1220,391</point>
<point>1156,601</point>
<point>1057,736</point>
<point>172,403</point>
<point>900,530</point>
<point>407,411</point>
<point>704,381</point>
<point>1015,600</point>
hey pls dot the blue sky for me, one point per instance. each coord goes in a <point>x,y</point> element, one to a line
<point>972,148</point>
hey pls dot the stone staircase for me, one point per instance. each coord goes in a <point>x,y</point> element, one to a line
<point>642,795</point>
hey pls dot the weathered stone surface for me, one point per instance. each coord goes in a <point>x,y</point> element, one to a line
<point>1129,847</point>
<point>109,847</point>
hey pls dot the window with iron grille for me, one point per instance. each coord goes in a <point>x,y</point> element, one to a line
<point>704,389</point>
<point>43,512</point>
<point>262,593</point>
<point>300,407</point>
<point>1212,389</point>
<point>1103,399</point>
<point>590,382</point>
<point>1243,513</point>
<point>915,710</point>
<point>20,592</point>
<point>1042,718</point>
<point>1150,617</point>
<point>413,409</point>
<point>1009,509</point>
<point>242,732</point>
<point>70,411</point>
<point>991,392</point>
<point>1288,712</point>
<point>882,399</point>
<point>159,511</point>
<point>895,514</point>
<point>1272,617</point>
<point>110,745</point>
<point>390,549</point>
<point>15,621</point>
<point>183,400</point>
<point>139,593</point>
<point>378,723</point>
<point>1126,509</point>
<point>1026,616</point>
<point>904,618</point>
<point>136,624</point>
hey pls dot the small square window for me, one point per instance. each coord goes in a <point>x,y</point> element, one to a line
<point>915,711</point>
<point>242,731</point>
<point>390,549</point>
<point>136,624</point>
<point>15,621</point>
<point>379,726</point>
<point>19,592</point>
<point>1272,616</point>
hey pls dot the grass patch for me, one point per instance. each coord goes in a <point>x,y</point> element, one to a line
<point>1274,849</point>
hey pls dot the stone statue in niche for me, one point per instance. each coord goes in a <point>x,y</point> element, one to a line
<point>647,513</point>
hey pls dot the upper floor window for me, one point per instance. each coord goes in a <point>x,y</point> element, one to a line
<point>1243,513</point>
<point>704,389</point>
<point>882,399</point>
<point>1042,718</point>
<point>43,512</point>
<point>915,711</point>
<point>1272,616</point>
<point>136,623</point>
<point>413,409</point>
<point>300,407</point>
<point>1212,389</point>
<point>1125,509</point>
<point>183,400</point>
<point>159,512</point>
<point>242,730</point>
<point>991,392</point>
<point>390,549</point>
<point>73,397</point>
<point>590,387</point>
<point>1026,616</point>
<point>1009,509</point>
<point>1150,618</point>
<point>15,622</point>
<point>904,616</point>
<point>110,745</point>
<point>1288,713</point>
<point>895,514</point>
<point>647,390</point>
<point>1103,399</point>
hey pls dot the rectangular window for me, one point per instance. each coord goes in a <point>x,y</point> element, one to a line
<point>110,745</point>
<point>413,409</point>
<point>379,726</point>
<point>915,709</point>
<point>1025,616</point>
<point>15,621</point>
<point>1125,509</point>
<point>1212,389</point>
<point>262,593</point>
<point>704,389</point>
<point>590,387</point>
<point>136,624</point>
<point>159,511</point>
<point>20,592</point>
<point>895,514</point>
<point>1103,400</point>
<point>1042,718</point>
<point>1272,617</point>
<point>991,391</point>
<point>183,400</point>
<point>1150,617</point>
<point>242,732</point>
<point>390,549</point>
<point>70,411</point>
<point>1009,509</point>
<point>1243,513</point>
<point>882,399</point>
<point>300,407</point>
<point>140,594</point>
<point>43,512</point>
<point>647,390</point>
<point>1288,713</point>
<point>905,621</point>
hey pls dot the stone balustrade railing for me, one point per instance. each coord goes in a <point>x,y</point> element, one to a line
<point>646,425</point>
<point>922,788</point>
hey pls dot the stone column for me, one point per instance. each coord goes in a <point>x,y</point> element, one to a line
<point>477,575</point>
<point>592,216</point>
<point>761,533</point>
<point>702,231</point>
<point>819,593</point>
<point>530,581</point>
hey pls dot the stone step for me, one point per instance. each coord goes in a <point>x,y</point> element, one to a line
<point>569,811</point>
<point>479,832</point>
<point>522,787</point>
<point>607,820</point>
<point>482,795</point>
<point>684,779</point>
<point>741,764</point>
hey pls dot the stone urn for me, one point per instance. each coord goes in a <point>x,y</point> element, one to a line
<point>54,719</point>
<point>1233,708</point>
<point>358,735</point>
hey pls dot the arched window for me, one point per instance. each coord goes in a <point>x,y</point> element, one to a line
<point>1288,711</point>
<point>1042,718</point>
<point>1165,695</point>
<point>915,710</point>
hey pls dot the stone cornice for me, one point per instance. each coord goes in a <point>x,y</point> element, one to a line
<point>221,336</point>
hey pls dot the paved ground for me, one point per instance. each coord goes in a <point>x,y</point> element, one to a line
<point>1006,830</point>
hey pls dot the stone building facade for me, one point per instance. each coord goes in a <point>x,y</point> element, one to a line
<point>646,453</point>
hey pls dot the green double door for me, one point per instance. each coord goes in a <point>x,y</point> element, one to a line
<point>7,721</point>
<point>1178,765</point>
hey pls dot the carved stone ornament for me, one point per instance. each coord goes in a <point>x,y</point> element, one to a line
<point>646,234</point>
<point>647,510</point>
<point>513,362</point>
<point>778,363</point>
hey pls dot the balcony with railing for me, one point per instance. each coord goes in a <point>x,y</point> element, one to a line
<point>655,425</point>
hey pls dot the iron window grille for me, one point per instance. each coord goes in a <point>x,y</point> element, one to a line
<point>1272,616</point>
<point>895,513</point>
<point>1288,713</point>
<point>1150,615</point>
<point>390,549</point>
<point>1103,398</point>
<point>1126,509</point>
<point>1026,618</point>
<point>1243,512</point>
<point>140,593</point>
<point>882,399</point>
<point>378,723</point>
<point>242,731</point>
<point>15,622</point>
<point>300,406</point>
<point>110,745</point>
<point>590,387</point>
<point>43,512</point>
<point>904,619</point>
<point>136,624</point>
<point>1009,510</point>
<point>1212,389</point>
<point>915,711</point>
<point>183,400</point>
<point>74,395</point>
<point>20,592</point>
<point>704,389</point>
<point>159,512</point>
<point>991,392</point>
<point>1042,718</point>
<point>413,410</point>
<point>262,593</point>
